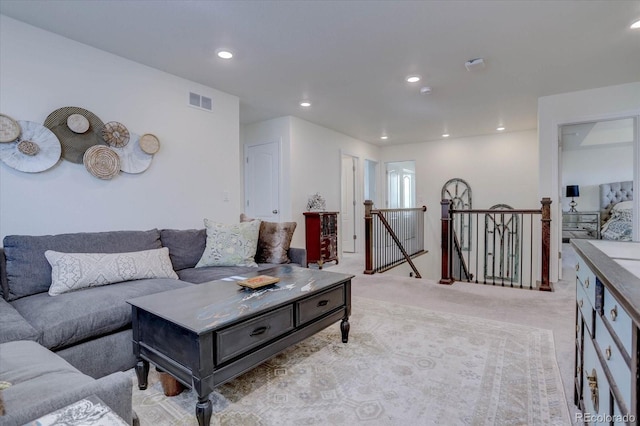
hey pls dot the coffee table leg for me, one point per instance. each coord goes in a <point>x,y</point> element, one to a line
<point>344,327</point>
<point>142,371</point>
<point>203,410</point>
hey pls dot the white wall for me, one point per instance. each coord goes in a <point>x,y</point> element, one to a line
<point>575,107</point>
<point>589,167</point>
<point>500,168</point>
<point>197,162</point>
<point>311,162</point>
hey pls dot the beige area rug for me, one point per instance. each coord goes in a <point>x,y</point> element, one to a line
<point>402,366</point>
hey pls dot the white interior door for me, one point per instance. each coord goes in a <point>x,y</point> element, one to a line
<point>348,204</point>
<point>262,181</point>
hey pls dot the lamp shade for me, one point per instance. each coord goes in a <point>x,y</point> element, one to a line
<point>573,191</point>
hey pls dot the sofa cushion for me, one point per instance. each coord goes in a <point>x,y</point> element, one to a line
<point>185,246</point>
<point>14,326</point>
<point>72,317</point>
<point>75,271</point>
<point>230,244</point>
<point>28,271</point>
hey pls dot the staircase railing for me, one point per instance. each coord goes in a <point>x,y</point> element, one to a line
<point>511,247</point>
<point>392,237</point>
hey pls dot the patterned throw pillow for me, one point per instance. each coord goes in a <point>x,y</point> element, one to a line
<point>230,245</point>
<point>274,240</point>
<point>74,271</point>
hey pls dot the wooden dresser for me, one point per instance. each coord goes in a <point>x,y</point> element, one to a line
<point>607,321</point>
<point>321,230</point>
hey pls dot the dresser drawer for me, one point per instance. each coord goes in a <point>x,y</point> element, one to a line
<point>619,320</point>
<point>597,407</point>
<point>316,306</point>
<point>614,361</point>
<point>239,338</point>
<point>587,280</point>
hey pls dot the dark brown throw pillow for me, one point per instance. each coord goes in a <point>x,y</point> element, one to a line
<point>274,240</point>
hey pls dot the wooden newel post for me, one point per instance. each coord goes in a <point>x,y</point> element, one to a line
<point>445,239</point>
<point>368,237</point>
<point>545,285</point>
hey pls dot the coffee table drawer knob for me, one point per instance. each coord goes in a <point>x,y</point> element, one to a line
<point>258,331</point>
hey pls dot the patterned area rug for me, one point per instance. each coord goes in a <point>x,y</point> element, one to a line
<point>402,365</point>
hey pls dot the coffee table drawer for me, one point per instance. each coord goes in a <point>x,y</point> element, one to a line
<point>316,306</point>
<point>239,338</point>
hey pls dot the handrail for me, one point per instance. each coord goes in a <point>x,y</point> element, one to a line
<point>373,238</point>
<point>449,250</point>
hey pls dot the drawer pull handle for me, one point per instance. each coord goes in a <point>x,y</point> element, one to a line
<point>577,266</point>
<point>614,313</point>
<point>608,353</point>
<point>581,302</point>
<point>593,385</point>
<point>323,302</point>
<point>586,282</point>
<point>258,331</point>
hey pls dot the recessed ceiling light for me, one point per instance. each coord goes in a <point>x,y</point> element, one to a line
<point>500,128</point>
<point>384,138</point>
<point>445,135</point>
<point>636,25</point>
<point>224,54</point>
<point>413,79</point>
<point>305,104</point>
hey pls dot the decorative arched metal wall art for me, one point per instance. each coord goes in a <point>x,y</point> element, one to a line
<point>459,192</point>
<point>502,242</point>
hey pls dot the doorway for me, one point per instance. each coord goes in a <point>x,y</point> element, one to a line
<point>401,184</point>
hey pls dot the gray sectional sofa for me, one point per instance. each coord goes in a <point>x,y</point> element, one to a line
<point>91,328</point>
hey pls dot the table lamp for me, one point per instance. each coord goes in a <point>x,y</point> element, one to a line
<point>573,191</point>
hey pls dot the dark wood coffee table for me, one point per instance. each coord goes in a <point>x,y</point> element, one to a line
<point>210,333</point>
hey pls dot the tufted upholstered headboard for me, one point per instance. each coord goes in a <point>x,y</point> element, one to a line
<point>611,194</point>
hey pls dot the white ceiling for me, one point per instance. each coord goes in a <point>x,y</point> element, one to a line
<point>350,58</point>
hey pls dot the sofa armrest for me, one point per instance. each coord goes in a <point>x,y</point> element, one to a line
<point>14,326</point>
<point>115,390</point>
<point>298,256</point>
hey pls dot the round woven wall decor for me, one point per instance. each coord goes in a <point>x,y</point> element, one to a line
<point>132,158</point>
<point>102,162</point>
<point>78,123</point>
<point>149,143</point>
<point>37,149</point>
<point>74,144</point>
<point>9,129</point>
<point>115,134</point>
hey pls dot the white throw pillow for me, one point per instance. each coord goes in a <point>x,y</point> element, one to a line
<point>74,271</point>
<point>624,205</point>
<point>230,245</point>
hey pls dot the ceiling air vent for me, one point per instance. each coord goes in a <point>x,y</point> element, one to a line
<point>200,102</point>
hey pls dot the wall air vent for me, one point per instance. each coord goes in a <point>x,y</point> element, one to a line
<point>200,102</point>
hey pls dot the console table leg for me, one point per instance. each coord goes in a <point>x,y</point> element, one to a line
<point>344,327</point>
<point>142,372</point>
<point>203,410</point>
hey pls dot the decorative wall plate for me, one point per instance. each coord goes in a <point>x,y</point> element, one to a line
<point>9,129</point>
<point>75,144</point>
<point>78,123</point>
<point>132,158</point>
<point>149,143</point>
<point>102,162</point>
<point>115,134</point>
<point>36,150</point>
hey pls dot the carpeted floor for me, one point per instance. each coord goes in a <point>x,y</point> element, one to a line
<point>402,365</point>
